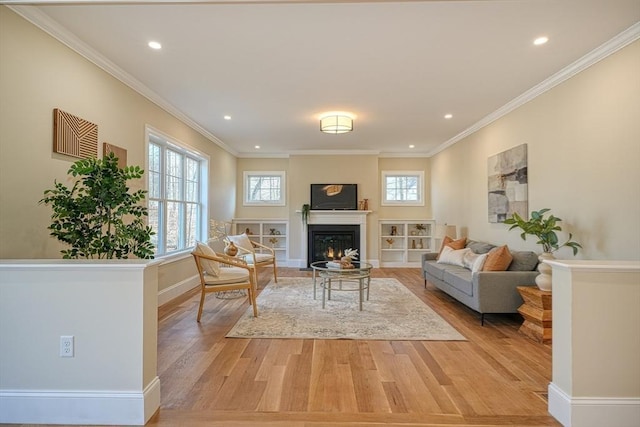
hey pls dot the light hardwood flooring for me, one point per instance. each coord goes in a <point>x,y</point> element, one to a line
<point>496,378</point>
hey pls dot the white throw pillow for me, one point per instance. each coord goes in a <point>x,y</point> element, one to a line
<point>242,241</point>
<point>452,256</point>
<point>474,261</point>
<point>211,267</point>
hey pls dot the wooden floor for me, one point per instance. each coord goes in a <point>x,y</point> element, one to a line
<point>496,378</point>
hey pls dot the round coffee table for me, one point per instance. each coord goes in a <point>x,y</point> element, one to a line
<point>361,275</point>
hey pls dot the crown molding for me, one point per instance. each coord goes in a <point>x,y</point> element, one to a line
<point>623,39</point>
<point>51,27</point>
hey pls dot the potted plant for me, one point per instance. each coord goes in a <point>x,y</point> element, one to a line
<point>545,230</point>
<point>98,216</point>
<point>306,208</point>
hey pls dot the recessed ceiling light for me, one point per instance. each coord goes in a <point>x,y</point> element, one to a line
<point>227,117</point>
<point>448,116</point>
<point>155,45</point>
<point>541,40</point>
<point>412,146</point>
<point>257,147</point>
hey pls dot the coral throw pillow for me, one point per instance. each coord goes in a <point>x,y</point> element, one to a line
<point>498,259</point>
<point>453,244</point>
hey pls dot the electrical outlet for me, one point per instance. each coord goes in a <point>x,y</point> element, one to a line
<point>66,346</point>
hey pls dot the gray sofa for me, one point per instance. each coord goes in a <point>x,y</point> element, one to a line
<point>483,291</point>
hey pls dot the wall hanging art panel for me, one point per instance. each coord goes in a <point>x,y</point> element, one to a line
<point>74,136</point>
<point>119,152</point>
<point>508,184</point>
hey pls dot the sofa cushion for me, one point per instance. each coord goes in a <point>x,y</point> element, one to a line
<point>460,278</point>
<point>480,247</point>
<point>452,256</point>
<point>523,261</point>
<point>437,270</point>
<point>498,259</point>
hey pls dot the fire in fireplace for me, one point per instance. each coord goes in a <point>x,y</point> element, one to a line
<point>328,242</point>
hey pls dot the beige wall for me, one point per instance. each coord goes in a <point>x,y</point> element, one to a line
<point>583,140</point>
<point>38,74</point>
<point>304,170</point>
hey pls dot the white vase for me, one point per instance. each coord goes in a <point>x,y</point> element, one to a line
<point>543,280</point>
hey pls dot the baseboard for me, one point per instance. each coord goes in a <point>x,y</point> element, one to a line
<point>593,411</point>
<point>177,289</point>
<point>79,407</point>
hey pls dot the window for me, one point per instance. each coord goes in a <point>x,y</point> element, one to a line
<point>177,194</point>
<point>264,188</point>
<point>402,188</point>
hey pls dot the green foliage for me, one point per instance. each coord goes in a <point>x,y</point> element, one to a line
<point>306,208</point>
<point>543,228</point>
<point>98,217</point>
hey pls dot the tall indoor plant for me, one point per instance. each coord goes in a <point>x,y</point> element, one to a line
<point>98,216</point>
<point>545,230</point>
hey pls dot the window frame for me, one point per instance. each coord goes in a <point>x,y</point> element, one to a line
<point>186,152</point>
<point>402,173</point>
<point>247,175</point>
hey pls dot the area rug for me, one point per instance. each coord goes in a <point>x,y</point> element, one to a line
<point>287,310</point>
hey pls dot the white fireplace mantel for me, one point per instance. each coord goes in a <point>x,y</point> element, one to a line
<point>358,217</point>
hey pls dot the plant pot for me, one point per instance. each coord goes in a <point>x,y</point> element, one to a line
<point>543,280</point>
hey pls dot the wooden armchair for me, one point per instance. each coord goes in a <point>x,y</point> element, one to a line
<point>220,273</point>
<point>255,254</point>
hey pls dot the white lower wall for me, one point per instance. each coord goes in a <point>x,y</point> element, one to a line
<point>110,308</point>
<point>596,343</point>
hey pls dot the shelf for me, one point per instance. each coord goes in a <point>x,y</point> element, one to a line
<point>404,233</point>
<point>261,230</point>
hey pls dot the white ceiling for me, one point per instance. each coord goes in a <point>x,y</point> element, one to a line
<point>399,66</point>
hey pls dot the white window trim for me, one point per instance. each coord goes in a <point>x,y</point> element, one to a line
<point>245,188</point>
<point>421,196</point>
<point>204,184</point>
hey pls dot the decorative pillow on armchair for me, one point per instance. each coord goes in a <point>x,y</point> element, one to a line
<point>242,241</point>
<point>211,267</point>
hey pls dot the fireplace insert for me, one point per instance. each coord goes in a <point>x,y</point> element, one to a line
<point>328,242</point>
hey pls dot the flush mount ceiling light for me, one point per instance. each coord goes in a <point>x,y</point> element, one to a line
<point>154,45</point>
<point>540,40</point>
<point>336,122</point>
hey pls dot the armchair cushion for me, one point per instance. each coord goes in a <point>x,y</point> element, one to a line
<point>242,241</point>
<point>211,267</point>
<point>228,275</point>
<point>261,258</point>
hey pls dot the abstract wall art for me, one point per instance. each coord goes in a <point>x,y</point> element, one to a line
<point>119,152</point>
<point>508,184</point>
<point>74,136</point>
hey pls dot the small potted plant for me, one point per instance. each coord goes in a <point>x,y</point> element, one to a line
<point>306,208</point>
<point>421,228</point>
<point>545,230</point>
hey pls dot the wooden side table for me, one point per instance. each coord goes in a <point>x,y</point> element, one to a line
<point>536,311</point>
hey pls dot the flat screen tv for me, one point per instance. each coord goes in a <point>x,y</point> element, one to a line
<point>334,197</point>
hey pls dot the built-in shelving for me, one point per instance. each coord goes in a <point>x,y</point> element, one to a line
<point>268,232</point>
<point>402,242</point>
